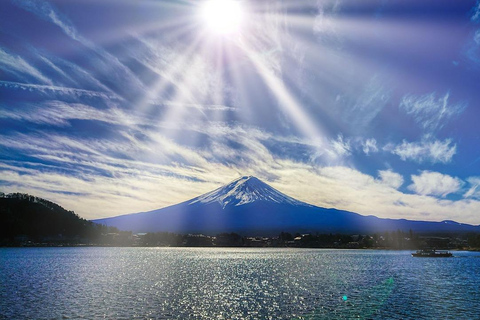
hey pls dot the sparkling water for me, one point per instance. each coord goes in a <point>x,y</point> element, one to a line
<point>238,283</point>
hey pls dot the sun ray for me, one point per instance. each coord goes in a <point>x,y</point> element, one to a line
<point>216,53</point>
<point>286,100</point>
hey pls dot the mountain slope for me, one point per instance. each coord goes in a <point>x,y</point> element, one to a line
<point>37,218</point>
<point>251,207</point>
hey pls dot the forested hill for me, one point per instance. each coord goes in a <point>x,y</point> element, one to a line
<point>26,217</point>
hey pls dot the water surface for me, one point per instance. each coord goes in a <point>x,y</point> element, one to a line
<point>218,283</point>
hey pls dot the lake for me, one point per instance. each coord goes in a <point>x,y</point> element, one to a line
<point>236,283</point>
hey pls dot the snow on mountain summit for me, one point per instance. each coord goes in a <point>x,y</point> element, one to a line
<point>245,190</point>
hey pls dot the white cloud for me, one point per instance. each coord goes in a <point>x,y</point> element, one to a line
<point>348,189</point>
<point>474,188</point>
<point>369,146</point>
<point>434,151</point>
<point>136,185</point>
<point>429,112</point>
<point>390,178</point>
<point>435,183</point>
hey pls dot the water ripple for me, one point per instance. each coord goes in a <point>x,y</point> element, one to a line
<point>213,283</point>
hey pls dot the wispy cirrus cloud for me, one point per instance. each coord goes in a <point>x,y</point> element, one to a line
<point>72,75</point>
<point>476,12</point>
<point>14,64</point>
<point>324,25</point>
<point>472,51</point>
<point>358,111</point>
<point>334,151</point>
<point>58,113</point>
<point>368,105</point>
<point>426,150</point>
<point>435,184</point>
<point>340,147</point>
<point>474,188</point>
<point>369,146</point>
<point>431,113</point>
<point>46,11</point>
<point>108,66</point>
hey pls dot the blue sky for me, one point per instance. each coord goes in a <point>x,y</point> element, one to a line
<point>126,106</point>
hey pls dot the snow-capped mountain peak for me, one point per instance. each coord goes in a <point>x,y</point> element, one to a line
<point>245,190</point>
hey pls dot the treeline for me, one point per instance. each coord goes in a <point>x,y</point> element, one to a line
<point>284,239</point>
<point>392,240</point>
<point>474,241</point>
<point>398,240</point>
<point>28,219</point>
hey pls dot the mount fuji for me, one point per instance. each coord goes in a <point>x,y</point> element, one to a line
<point>251,207</point>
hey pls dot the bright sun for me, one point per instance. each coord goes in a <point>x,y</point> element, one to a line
<point>222,16</point>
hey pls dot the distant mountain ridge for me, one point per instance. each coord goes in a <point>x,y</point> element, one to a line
<point>249,206</point>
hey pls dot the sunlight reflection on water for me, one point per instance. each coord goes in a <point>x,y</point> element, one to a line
<point>206,283</point>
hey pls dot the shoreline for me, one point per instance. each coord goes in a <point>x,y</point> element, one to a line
<point>225,247</point>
